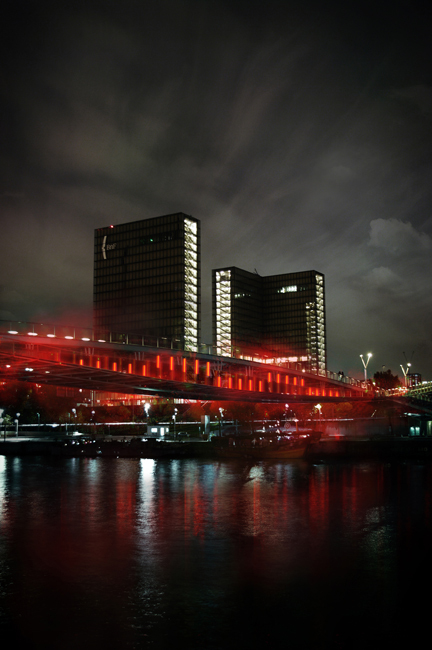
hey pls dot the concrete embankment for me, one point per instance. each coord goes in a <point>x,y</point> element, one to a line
<point>106,449</point>
<point>384,448</point>
<point>381,448</point>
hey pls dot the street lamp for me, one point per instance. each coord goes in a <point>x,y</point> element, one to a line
<point>406,372</point>
<point>174,419</point>
<point>365,363</point>
<point>147,410</point>
<point>16,423</point>
<point>221,411</point>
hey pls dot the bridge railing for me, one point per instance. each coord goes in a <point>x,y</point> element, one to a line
<point>422,391</point>
<point>85,334</point>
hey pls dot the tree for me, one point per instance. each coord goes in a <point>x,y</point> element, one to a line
<point>386,380</point>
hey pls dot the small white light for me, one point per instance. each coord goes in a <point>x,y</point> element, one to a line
<point>51,336</point>
<point>32,333</point>
<point>85,339</point>
<point>12,332</point>
<point>68,337</point>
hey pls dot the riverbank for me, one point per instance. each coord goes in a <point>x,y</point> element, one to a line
<point>328,448</point>
<point>379,448</point>
<point>135,448</point>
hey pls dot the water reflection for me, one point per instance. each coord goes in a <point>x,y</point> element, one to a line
<point>107,553</point>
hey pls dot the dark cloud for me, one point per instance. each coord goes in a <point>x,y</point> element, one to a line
<point>299,135</point>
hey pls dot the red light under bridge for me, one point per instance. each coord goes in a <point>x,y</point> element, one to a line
<point>146,370</point>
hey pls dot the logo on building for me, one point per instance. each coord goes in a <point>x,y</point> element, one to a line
<point>107,247</point>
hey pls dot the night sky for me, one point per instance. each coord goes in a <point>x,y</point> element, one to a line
<point>300,136</point>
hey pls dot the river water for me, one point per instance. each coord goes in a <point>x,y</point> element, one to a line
<point>134,553</point>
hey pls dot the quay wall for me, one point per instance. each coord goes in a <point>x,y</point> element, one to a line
<point>326,449</point>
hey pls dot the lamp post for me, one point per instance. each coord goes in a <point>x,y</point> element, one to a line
<point>318,407</point>
<point>174,419</point>
<point>38,417</point>
<point>16,424</point>
<point>221,411</point>
<point>406,372</point>
<point>365,364</point>
<point>147,410</point>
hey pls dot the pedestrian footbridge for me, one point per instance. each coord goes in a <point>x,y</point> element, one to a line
<point>73,357</point>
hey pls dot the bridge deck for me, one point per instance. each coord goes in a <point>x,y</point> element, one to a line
<point>147,370</point>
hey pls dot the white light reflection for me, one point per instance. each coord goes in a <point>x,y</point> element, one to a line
<point>145,500</point>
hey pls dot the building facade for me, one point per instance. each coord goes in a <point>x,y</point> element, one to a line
<point>147,280</point>
<point>279,316</point>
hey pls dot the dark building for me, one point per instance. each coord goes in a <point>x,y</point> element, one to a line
<point>275,316</point>
<point>147,279</point>
<point>413,379</point>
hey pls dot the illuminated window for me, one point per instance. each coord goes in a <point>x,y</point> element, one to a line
<point>191,285</point>
<point>289,289</point>
<point>223,313</point>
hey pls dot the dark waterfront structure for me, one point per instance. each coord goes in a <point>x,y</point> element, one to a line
<point>278,315</point>
<point>147,279</point>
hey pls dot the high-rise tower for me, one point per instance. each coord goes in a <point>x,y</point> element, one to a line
<point>281,315</point>
<point>147,279</point>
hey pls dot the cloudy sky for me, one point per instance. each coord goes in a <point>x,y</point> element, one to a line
<point>299,134</point>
